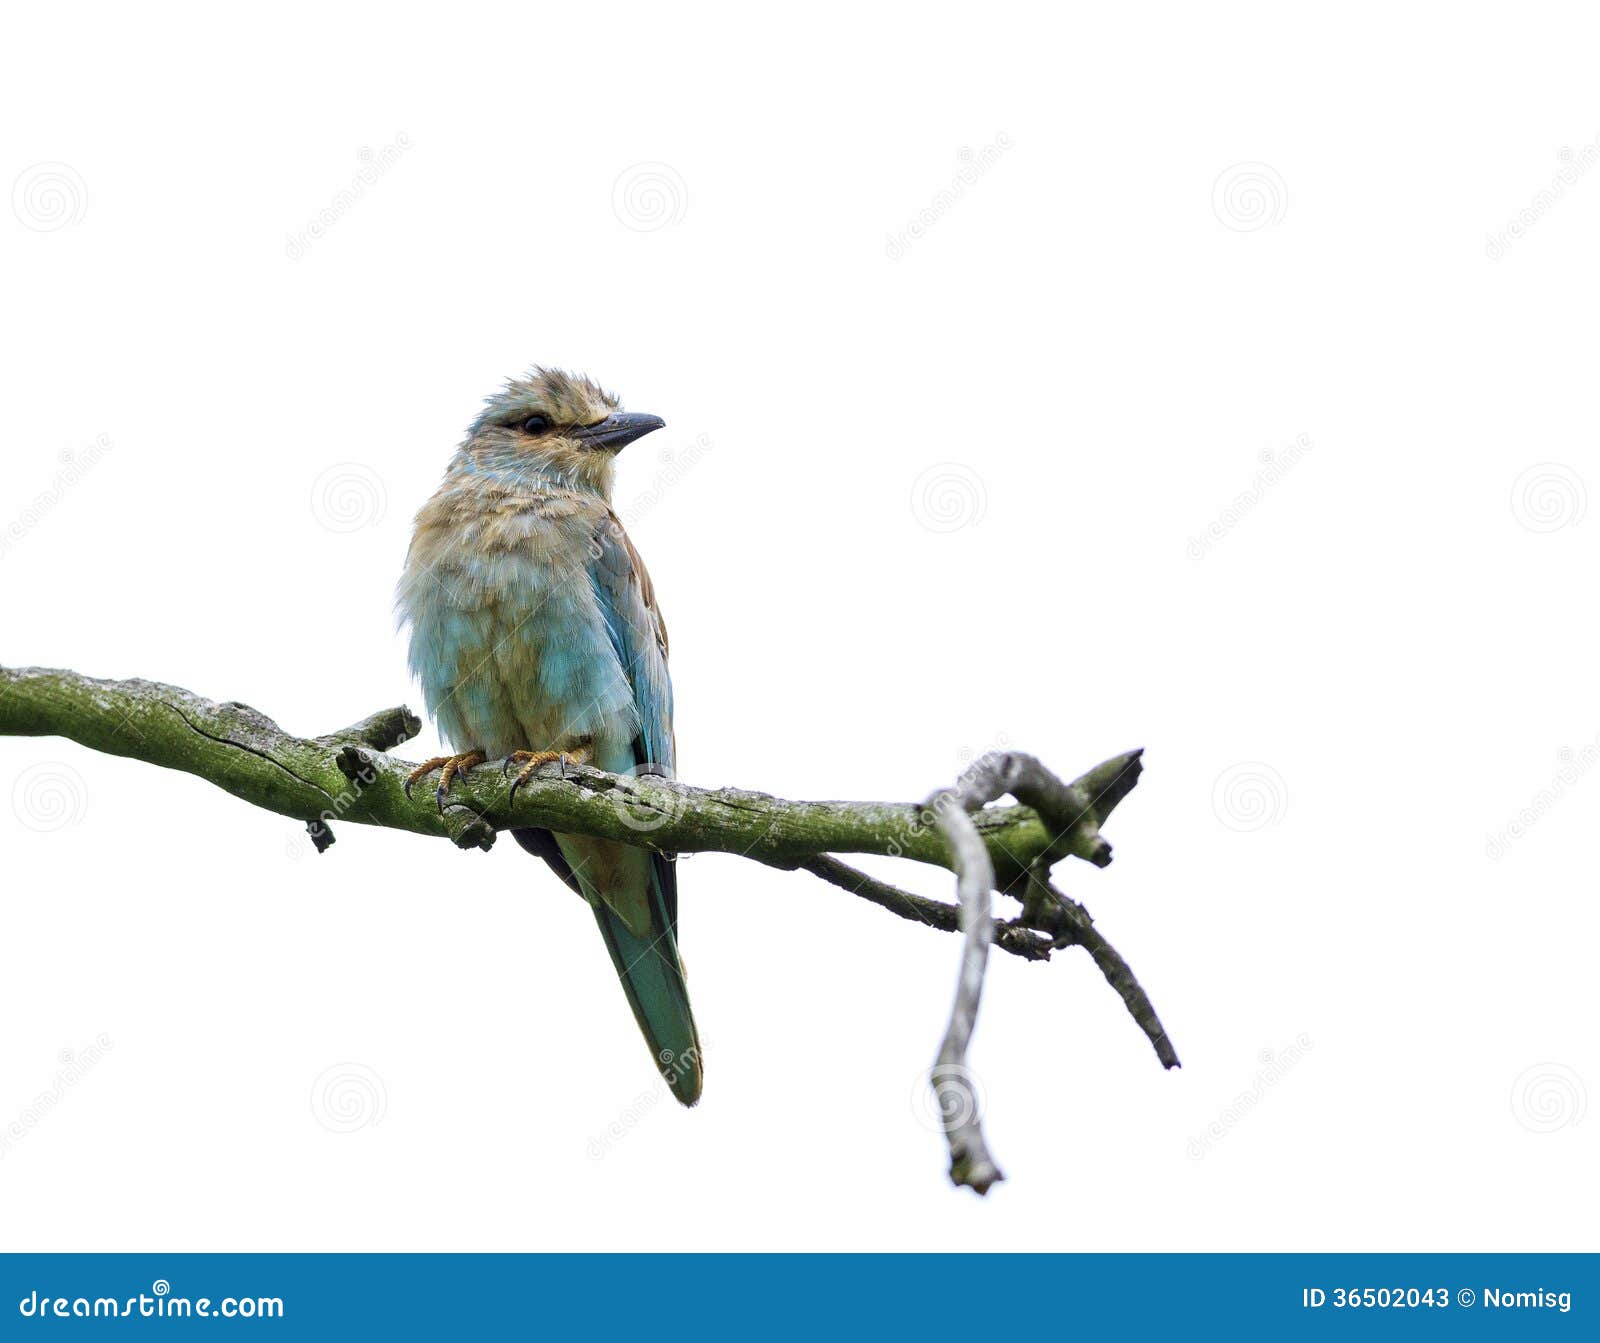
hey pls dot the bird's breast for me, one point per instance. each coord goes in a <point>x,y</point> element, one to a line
<point>507,634</point>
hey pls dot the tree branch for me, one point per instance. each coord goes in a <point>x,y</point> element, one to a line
<point>1014,937</point>
<point>349,775</point>
<point>346,776</point>
<point>960,1105</point>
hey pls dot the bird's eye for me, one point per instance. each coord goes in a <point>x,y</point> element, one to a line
<point>535,424</point>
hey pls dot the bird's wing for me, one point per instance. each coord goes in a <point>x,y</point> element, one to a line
<point>646,957</point>
<point>639,637</point>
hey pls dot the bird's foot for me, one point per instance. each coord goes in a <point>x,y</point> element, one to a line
<point>449,766</point>
<point>531,760</point>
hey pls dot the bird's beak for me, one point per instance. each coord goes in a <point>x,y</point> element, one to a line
<point>615,432</point>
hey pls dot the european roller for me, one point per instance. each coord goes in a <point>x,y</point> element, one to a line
<point>536,635</point>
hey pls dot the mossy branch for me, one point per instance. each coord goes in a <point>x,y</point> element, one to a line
<point>351,776</point>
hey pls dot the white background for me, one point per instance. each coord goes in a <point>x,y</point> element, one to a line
<point>952,496</point>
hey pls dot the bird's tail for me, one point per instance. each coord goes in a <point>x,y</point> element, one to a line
<point>652,977</point>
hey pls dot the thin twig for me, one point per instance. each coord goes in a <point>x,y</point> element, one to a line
<point>1072,926</point>
<point>1011,937</point>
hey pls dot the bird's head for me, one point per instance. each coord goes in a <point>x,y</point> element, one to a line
<point>554,426</point>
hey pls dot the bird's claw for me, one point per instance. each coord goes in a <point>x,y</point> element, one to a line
<point>449,766</point>
<point>531,760</point>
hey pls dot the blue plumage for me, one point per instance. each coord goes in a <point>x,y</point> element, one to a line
<point>535,630</point>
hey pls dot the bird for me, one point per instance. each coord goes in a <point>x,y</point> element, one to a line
<point>537,638</point>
